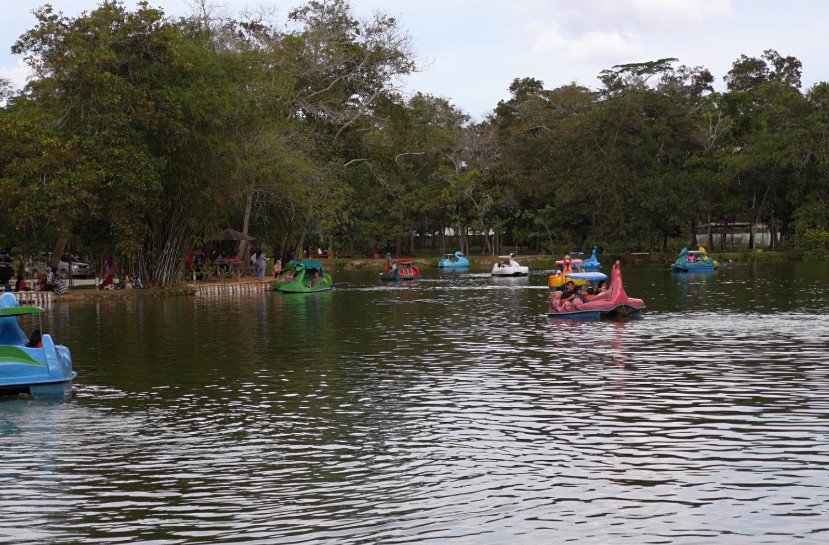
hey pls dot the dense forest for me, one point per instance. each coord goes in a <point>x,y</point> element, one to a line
<point>141,135</point>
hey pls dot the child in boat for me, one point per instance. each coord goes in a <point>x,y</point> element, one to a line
<point>35,341</point>
<point>602,288</point>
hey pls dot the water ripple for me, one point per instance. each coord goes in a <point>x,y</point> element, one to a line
<point>450,411</point>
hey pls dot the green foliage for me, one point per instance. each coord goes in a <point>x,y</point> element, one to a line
<point>810,216</point>
<point>141,135</point>
<point>815,244</point>
<point>760,256</point>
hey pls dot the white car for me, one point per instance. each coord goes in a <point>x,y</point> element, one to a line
<point>79,268</point>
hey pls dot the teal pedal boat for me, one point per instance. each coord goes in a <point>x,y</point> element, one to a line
<point>453,261</point>
<point>308,277</point>
<point>35,366</point>
<point>694,261</point>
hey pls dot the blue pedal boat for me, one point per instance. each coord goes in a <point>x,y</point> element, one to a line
<point>591,264</point>
<point>693,261</point>
<point>41,368</point>
<point>459,262</point>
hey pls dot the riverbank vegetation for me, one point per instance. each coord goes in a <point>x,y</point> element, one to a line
<point>142,135</point>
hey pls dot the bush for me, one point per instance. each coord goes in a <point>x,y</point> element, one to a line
<point>815,244</point>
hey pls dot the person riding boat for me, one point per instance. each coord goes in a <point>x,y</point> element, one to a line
<point>570,291</point>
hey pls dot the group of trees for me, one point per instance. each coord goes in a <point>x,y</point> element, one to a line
<point>657,151</point>
<point>140,135</point>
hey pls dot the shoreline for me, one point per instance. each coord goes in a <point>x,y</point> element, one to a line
<point>477,262</point>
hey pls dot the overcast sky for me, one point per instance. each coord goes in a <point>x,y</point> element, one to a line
<point>470,50</point>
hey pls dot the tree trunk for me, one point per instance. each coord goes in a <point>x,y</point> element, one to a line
<point>442,240</point>
<point>167,262</point>
<point>710,232</point>
<point>289,249</point>
<point>57,251</point>
<point>243,244</point>
<point>281,251</point>
<point>732,228</point>
<point>162,254</point>
<point>694,241</point>
<point>751,241</point>
<point>299,246</point>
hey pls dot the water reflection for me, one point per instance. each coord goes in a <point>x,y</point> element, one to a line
<point>510,281</point>
<point>693,287</point>
<point>451,411</point>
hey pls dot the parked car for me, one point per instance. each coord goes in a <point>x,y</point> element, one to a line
<point>80,269</point>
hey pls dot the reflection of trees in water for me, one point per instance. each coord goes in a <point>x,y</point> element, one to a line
<point>619,356</point>
<point>692,287</point>
<point>307,314</point>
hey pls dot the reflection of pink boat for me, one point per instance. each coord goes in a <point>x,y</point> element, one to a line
<point>612,303</point>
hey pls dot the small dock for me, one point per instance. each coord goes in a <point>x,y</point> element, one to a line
<point>34,298</point>
<point>201,290</point>
<point>231,288</point>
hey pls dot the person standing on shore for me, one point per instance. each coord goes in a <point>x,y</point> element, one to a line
<point>260,264</point>
<point>21,284</point>
<point>109,274</point>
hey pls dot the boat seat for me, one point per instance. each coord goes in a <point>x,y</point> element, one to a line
<point>10,332</point>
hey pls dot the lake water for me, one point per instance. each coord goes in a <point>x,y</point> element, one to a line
<point>449,411</point>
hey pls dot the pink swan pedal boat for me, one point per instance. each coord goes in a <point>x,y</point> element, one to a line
<point>614,303</point>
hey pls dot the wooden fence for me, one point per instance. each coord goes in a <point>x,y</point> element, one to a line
<point>38,298</point>
<point>232,289</point>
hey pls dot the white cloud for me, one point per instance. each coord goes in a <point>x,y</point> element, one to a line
<point>594,45</point>
<point>671,12</point>
<point>17,74</point>
<point>617,15</point>
<point>609,30</point>
<point>600,45</point>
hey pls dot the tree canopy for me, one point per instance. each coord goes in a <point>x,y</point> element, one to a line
<point>141,134</point>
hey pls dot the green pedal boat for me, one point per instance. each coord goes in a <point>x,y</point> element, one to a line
<point>308,277</point>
